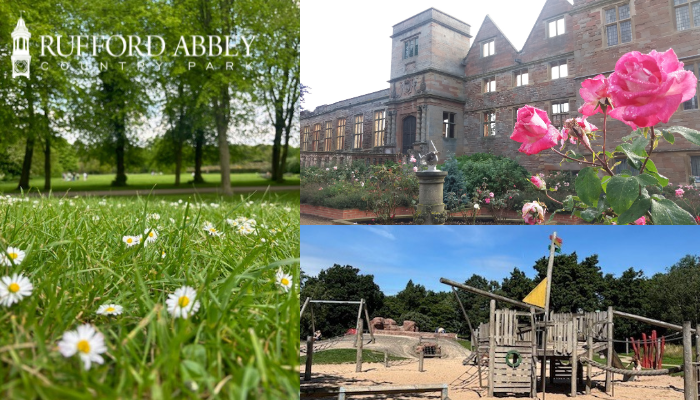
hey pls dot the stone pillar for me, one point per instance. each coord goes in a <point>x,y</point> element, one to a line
<point>387,129</point>
<point>419,131</point>
<point>431,209</point>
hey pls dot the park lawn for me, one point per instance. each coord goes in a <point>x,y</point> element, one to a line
<point>344,356</point>
<point>241,343</point>
<point>467,344</point>
<point>148,181</point>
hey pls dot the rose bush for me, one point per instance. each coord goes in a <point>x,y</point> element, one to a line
<point>644,90</point>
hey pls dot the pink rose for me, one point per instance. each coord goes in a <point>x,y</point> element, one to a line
<point>487,200</point>
<point>648,88</point>
<point>490,194</point>
<point>335,168</point>
<point>538,182</point>
<point>534,130</point>
<point>679,193</point>
<point>413,159</point>
<point>640,221</point>
<point>320,188</point>
<point>594,91</point>
<point>586,126</point>
<point>697,220</point>
<point>415,169</point>
<point>533,213</point>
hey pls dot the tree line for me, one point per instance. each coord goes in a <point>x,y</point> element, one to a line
<point>577,285</point>
<point>112,108</point>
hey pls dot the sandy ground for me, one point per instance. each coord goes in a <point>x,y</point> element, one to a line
<point>463,381</point>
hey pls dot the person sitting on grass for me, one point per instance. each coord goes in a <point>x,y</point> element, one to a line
<point>317,335</point>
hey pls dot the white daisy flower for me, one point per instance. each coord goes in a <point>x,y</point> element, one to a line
<point>284,280</point>
<point>151,235</point>
<point>95,218</point>
<point>288,209</point>
<point>12,255</point>
<point>131,240</point>
<point>263,240</point>
<point>209,227</point>
<point>163,255</point>
<point>214,205</point>
<point>86,342</point>
<point>102,202</point>
<point>172,220</point>
<point>110,309</point>
<point>183,302</point>
<point>154,216</point>
<point>14,288</point>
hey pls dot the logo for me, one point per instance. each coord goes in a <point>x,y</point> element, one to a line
<point>20,50</point>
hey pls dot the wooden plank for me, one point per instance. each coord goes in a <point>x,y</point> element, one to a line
<point>492,344</point>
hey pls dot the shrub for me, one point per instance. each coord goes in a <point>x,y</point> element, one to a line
<point>424,322</point>
<point>454,181</point>
<point>501,173</point>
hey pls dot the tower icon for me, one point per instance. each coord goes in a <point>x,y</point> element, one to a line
<point>20,50</point>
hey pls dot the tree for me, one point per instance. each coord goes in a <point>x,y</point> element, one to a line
<point>517,286</point>
<point>338,283</point>
<point>574,285</point>
<point>628,293</point>
<point>476,306</point>
<point>673,295</point>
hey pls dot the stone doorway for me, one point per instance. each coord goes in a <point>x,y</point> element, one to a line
<point>409,133</point>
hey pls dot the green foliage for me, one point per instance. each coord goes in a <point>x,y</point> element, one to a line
<point>337,283</point>
<point>574,284</point>
<point>454,181</point>
<point>423,322</point>
<point>500,172</point>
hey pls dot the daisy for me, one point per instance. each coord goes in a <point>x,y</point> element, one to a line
<point>110,309</point>
<point>154,216</point>
<point>151,235</point>
<point>131,240</point>
<point>13,289</point>
<point>13,256</point>
<point>183,302</point>
<point>284,280</point>
<point>211,230</point>
<point>85,341</point>
<point>162,255</point>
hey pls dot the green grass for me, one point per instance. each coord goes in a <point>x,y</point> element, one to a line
<point>242,343</point>
<point>146,181</point>
<point>465,343</point>
<point>343,356</point>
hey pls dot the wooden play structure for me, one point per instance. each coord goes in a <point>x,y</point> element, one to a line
<point>429,346</point>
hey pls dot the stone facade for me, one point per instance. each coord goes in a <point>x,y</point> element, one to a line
<point>479,88</point>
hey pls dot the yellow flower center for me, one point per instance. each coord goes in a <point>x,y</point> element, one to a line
<point>84,346</point>
<point>14,256</point>
<point>183,301</point>
<point>285,281</point>
<point>150,234</point>
<point>129,240</point>
<point>14,288</point>
<point>109,309</point>
<point>212,230</point>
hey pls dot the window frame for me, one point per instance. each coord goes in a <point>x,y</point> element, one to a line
<point>562,116</point>
<point>305,136</point>
<point>328,136</point>
<point>316,137</point>
<point>623,161</point>
<point>448,124</point>
<point>692,156</point>
<point>684,105</point>
<point>412,46</point>
<point>557,65</point>
<point>518,74</point>
<point>488,127</point>
<point>618,22</point>
<point>490,45</point>
<point>358,125</point>
<point>487,84</point>
<point>556,27</point>
<point>379,131</point>
<point>691,20</point>
<point>340,134</point>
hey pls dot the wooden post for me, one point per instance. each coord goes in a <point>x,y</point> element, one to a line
<point>492,344</point>
<point>552,371</point>
<point>309,357</point>
<point>304,306</point>
<point>608,375</point>
<point>420,361</point>
<point>627,346</point>
<point>574,357</point>
<point>358,363</point>
<point>386,359</point>
<point>533,368</point>
<point>443,396</point>
<point>313,324</point>
<point>369,323</point>
<point>589,343</point>
<point>689,384</point>
<point>550,266</point>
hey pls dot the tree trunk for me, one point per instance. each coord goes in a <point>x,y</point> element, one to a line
<point>222,106</point>
<point>277,172</point>
<point>198,155</point>
<point>28,149</point>
<point>119,130</point>
<point>178,162</point>
<point>47,163</point>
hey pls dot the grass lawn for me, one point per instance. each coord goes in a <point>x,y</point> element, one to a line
<point>467,344</point>
<point>343,356</point>
<point>147,181</point>
<point>242,341</point>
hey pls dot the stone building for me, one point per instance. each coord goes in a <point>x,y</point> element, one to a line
<point>464,97</point>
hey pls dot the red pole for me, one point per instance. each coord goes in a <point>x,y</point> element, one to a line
<point>645,356</point>
<point>663,346</point>
<point>654,348</point>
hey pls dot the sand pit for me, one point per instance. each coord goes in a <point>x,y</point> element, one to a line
<point>450,370</point>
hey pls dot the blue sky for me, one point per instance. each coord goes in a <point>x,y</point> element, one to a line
<point>395,254</point>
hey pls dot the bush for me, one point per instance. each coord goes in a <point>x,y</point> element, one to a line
<point>424,323</point>
<point>454,181</point>
<point>501,173</point>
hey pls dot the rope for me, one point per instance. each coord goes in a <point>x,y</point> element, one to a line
<point>648,372</point>
<point>667,338</point>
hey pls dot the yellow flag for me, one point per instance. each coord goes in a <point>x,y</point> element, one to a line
<point>538,294</point>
